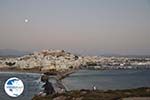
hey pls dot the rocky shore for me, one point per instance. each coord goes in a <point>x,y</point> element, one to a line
<point>127,94</point>
<point>59,60</point>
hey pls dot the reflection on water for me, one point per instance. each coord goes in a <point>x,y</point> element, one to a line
<point>108,79</point>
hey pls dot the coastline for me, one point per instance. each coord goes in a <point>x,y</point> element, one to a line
<point>59,75</point>
<point>79,93</point>
<point>125,94</point>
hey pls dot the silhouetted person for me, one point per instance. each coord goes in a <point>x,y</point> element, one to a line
<point>48,88</point>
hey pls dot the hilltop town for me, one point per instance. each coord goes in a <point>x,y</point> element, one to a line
<point>47,60</point>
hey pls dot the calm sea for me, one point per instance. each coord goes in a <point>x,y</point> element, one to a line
<point>83,79</point>
<point>108,79</point>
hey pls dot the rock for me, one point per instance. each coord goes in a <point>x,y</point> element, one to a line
<point>80,98</point>
<point>136,98</point>
<point>147,90</point>
<point>60,98</point>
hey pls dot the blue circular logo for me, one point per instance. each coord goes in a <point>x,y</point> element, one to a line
<point>14,87</point>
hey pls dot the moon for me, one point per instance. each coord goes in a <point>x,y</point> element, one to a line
<point>26,20</point>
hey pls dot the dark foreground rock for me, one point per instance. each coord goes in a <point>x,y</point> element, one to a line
<point>98,95</point>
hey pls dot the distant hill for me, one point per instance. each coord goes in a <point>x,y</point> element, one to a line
<point>12,53</point>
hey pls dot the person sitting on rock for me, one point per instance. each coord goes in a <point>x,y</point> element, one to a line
<point>48,88</point>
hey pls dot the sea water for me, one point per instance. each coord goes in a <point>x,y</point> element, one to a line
<point>108,79</point>
<point>82,79</point>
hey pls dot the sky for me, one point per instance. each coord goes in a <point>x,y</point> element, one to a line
<point>91,27</point>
